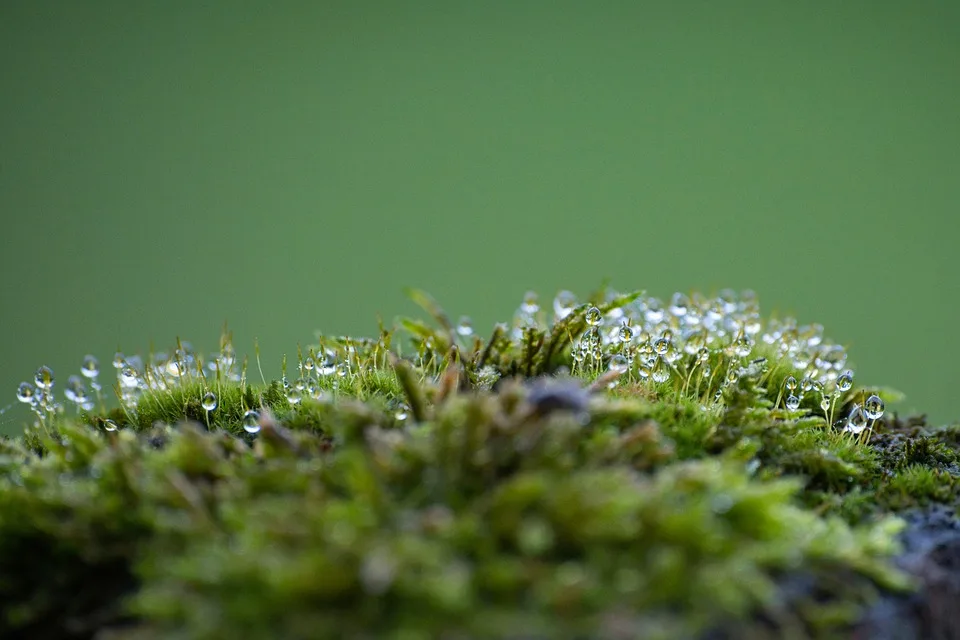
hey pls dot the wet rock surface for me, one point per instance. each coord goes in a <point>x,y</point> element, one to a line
<point>931,554</point>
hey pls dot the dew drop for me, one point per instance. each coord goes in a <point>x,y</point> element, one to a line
<point>309,364</point>
<point>564,304</point>
<point>793,402</point>
<point>856,421</point>
<point>294,395</point>
<point>44,378</point>
<point>26,393</point>
<point>679,304</point>
<point>465,326</point>
<point>251,421</point>
<point>119,360</point>
<point>845,381</point>
<point>209,401</point>
<point>703,354</point>
<point>530,304</point>
<point>90,367</point>
<point>619,363</point>
<point>790,383</point>
<point>825,403</point>
<point>128,377</point>
<point>873,407</point>
<point>75,391</point>
<point>661,346</point>
<point>592,317</point>
<point>109,425</point>
<point>660,373</point>
<point>743,346</point>
<point>625,333</point>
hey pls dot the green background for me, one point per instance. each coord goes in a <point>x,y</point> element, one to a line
<point>288,167</point>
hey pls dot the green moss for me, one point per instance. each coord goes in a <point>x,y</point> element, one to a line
<point>426,488</point>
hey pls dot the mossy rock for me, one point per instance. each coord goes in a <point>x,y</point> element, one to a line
<point>564,479</point>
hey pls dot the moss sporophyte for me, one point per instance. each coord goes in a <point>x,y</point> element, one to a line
<point>620,467</point>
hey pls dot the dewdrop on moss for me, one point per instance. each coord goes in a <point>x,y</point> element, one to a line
<point>294,394</point>
<point>119,360</point>
<point>856,421</point>
<point>845,381</point>
<point>592,317</point>
<point>44,378</point>
<point>743,346</point>
<point>109,425</point>
<point>619,363</point>
<point>625,334</point>
<point>564,304</point>
<point>209,401</point>
<point>793,402</point>
<point>873,407</point>
<point>129,377</point>
<point>90,367</point>
<point>530,304</point>
<point>790,383</point>
<point>26,393</point>
<point>661,346</point>
<point>465,327</point>
<point>251,421</point>
<point>75,391</point>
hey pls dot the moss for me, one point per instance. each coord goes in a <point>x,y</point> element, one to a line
<point>444,486</point>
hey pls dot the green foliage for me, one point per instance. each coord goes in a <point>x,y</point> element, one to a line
<point>455,491</point>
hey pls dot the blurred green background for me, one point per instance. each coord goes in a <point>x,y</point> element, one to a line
<point>287,167</point>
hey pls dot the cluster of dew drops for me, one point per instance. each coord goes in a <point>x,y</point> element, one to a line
<point>691,341</point>
<point>657,342</point>
<point>164,371</point>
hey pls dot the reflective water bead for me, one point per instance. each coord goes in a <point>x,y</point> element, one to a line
<point>743,346</point>
<point>644,370</point>
<point>703,354</point>
<point>465,326</point>
<point>856,421</point>
<point>209,401</point>
<point>845,381</point>
<point>90,367</point>
<point>128,377</point>
<point>592,317</point>
<point>109,425</point>
<point>679,304</point>
<point>26,393</point>
<point>309,364</point>
<point>119,360</point>
<point>294,394</point>
<point>530,304</point>
<point>74,390</point>
<point>825,403</point>
<point>44,378</point>
<point>661,373</point>
<point>790,383</point>
<point>733,375</point>
<point>661,346</point>
<point>626,332</point>
<point>251,421</point>
<point>564,304</point>
<point>312,389</point>
<point>619,363</point>
<point>806,384</point>
<point>873,407</point>
<point>792,402</point>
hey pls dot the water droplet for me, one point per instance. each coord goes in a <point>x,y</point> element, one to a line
<point>790,383</point>
<point>251,421</point>
<point>661,346</point>
<point>592,317</point>
<point>703,354</point>
<point>564,304</point>
<point>733,375</point>
<point>845,381</point>
<point>743,346</point>
<point>90,367</point>
<point>129,377</point>
<point>530,304</point>
<point>119,360</point>
<point>109,425</point>
<point>679,304</point>
<point>806,384</point>
<point>619,363</point>
<point>644,370</point>
<point>856,421</point>
<point>44,378</point>
<point>294,394</point>
<point>625,334</point>
<point>309,364</point>
<point>75,391</point>
<point>312,389</point>
<point>660,373</point>
<point>209,401</point>
<point>825,403</point>
<point>402,411</point>
<point>793,402</point>
<point>465,326</point>
<point>873,407</point>
<point>26,393</point>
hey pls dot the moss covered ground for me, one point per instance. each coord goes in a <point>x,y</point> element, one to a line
<point>612,468</point>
